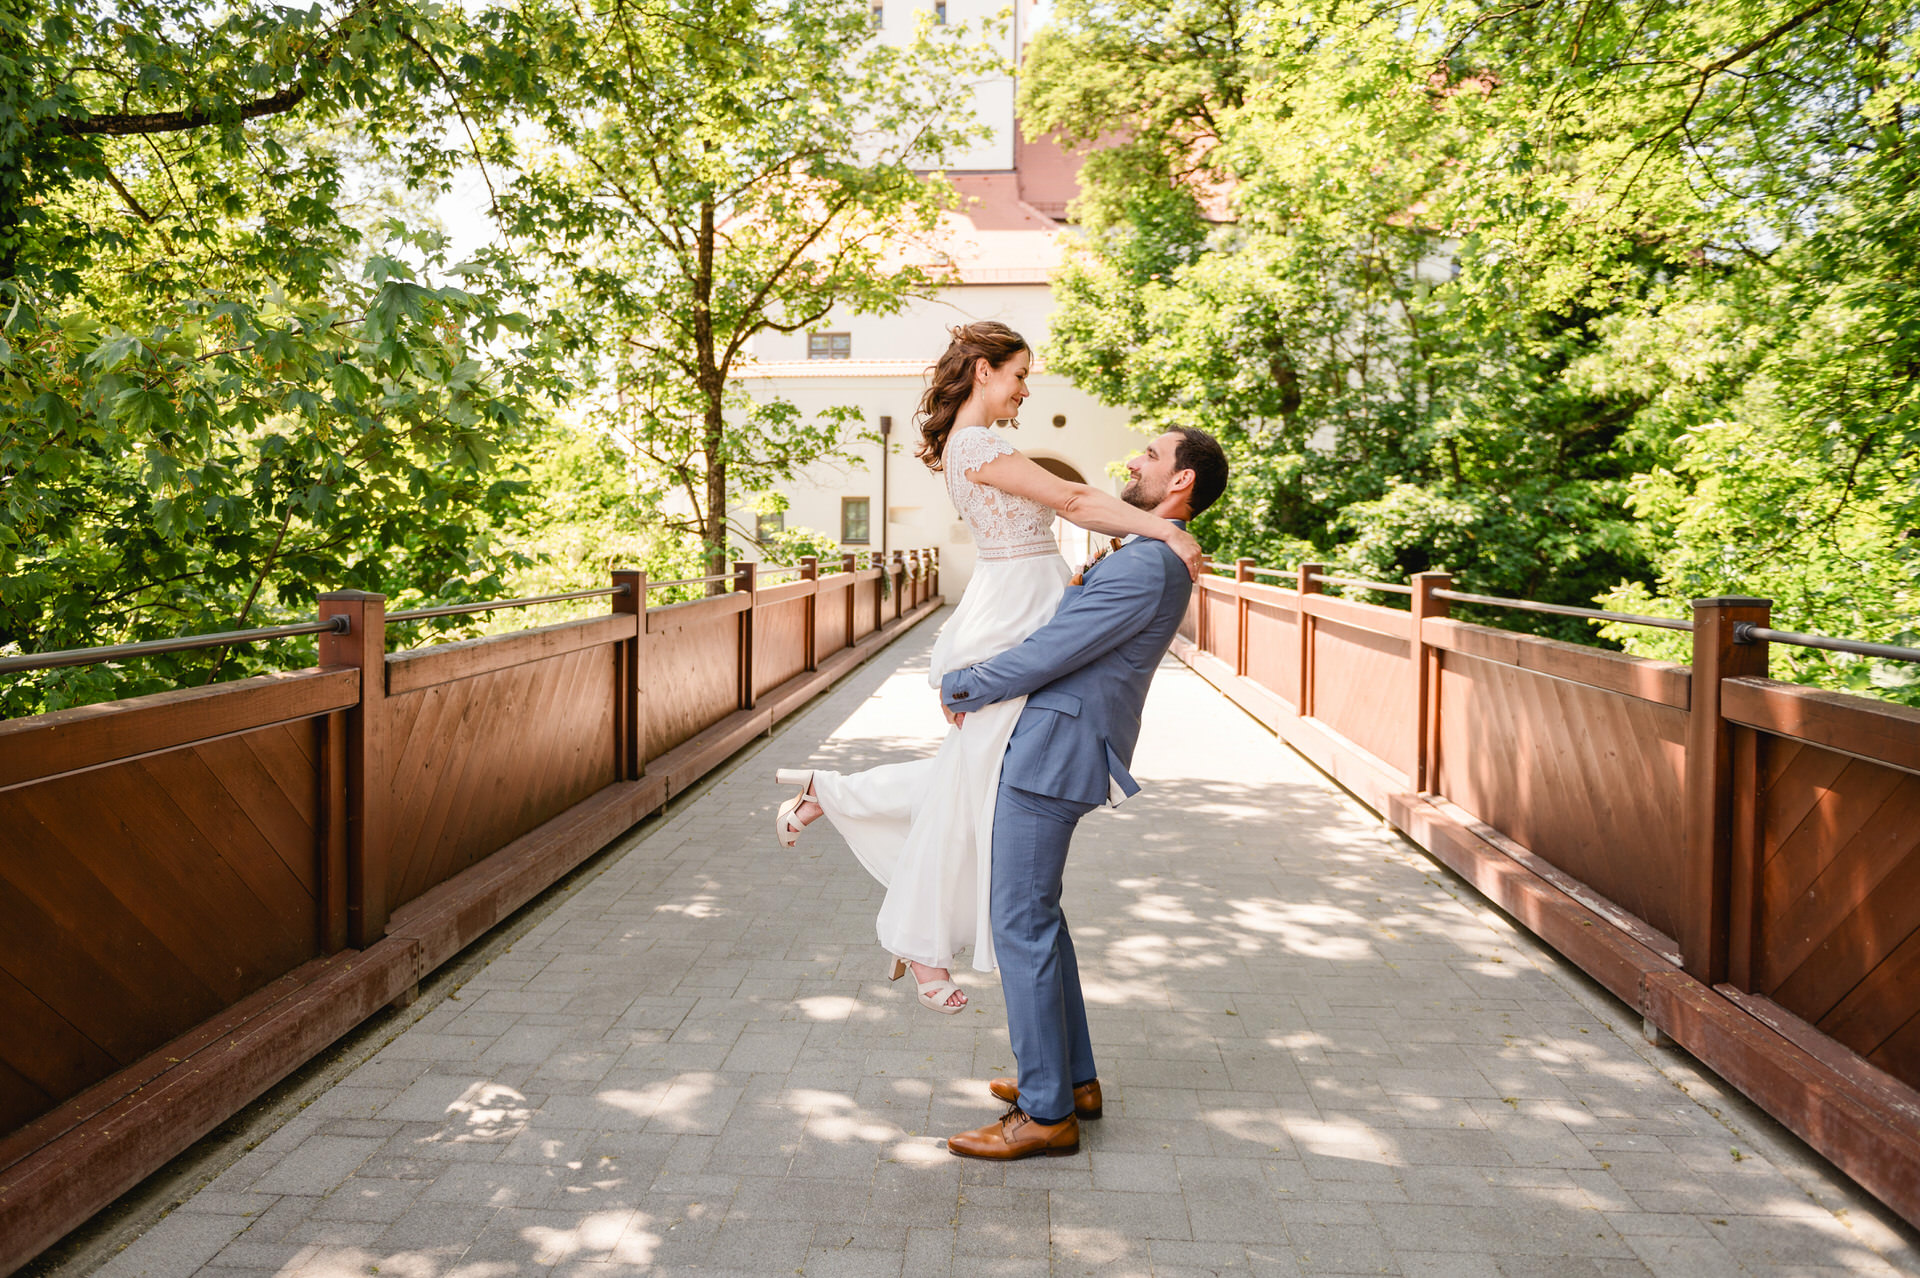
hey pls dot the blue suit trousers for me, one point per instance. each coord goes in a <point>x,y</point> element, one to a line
<point>1046,1015</point>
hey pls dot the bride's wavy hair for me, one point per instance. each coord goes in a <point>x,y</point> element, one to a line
<point>953,380</point>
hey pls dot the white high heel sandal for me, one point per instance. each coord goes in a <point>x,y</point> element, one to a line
<point>785,828</point>
<point>933,994</point>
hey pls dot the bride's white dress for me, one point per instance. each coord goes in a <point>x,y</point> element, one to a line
<point>925,828</point>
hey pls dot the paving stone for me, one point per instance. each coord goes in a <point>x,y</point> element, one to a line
<point>369,1199</point>
<point>1140,1173</point>
<point>180,1244</point>
<point>263,1257</point>
<point>853,1262</point>
<point>1313,1064</point>
<point>440,1228</point>
<point>318,1164</point>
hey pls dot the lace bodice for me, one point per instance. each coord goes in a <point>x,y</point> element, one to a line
<point>1003,526</point>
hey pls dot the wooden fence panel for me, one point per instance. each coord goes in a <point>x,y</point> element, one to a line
<point>693,669</point>
<point>866,602</point>
<point>480,761</point>
<point>1836,910</point>
<point>779,642</point>
<point>1273,648</point>
<point>1362,686</point>
<point>1220,620</point>
<point>141,897</point>
<point>197,888</point>
<point>1588,780</point>
<point>830,630</point>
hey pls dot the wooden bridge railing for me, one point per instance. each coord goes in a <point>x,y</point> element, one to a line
<point>200,890</point>
<point>1736,858</point>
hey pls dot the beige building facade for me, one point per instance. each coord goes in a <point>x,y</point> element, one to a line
<point>1001,247</point>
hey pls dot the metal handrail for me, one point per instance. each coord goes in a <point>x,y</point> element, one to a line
<point>455,610</point>
<point>1564,610</point>
<point>690,581</point>
<point>1362,583</point>
<point>1272,572</point>
<point>1748,632</point>
<point>338,625</point>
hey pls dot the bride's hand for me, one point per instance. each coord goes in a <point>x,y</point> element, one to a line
<point>1182,544</point>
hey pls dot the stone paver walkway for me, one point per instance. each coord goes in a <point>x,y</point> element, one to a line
<point>1321,1056</point>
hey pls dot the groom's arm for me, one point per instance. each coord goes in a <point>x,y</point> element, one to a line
<point>1110,609</point>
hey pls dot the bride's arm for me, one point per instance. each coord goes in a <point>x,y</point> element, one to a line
<point>1083,504</point>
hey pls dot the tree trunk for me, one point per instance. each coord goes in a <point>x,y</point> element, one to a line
<point>712,385</point>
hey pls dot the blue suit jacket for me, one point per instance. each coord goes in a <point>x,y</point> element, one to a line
<point>1085,675</point>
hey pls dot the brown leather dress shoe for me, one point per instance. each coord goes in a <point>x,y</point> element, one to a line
<point>1015,1135</point>
<point>1086,1097</point>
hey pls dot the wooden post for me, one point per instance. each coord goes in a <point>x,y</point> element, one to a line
<point>933,586</point>
<point>849,565</point>
<point>629,729</point>
<point>810,571</point>
<point>1242,572</point>
<point>1707,812</point>
<point>368,781</point>
<point>1306,585</point>
<point>1202,632</point>
<point>1426,680</point>
<point>897,578</point>
<point>746,580</point>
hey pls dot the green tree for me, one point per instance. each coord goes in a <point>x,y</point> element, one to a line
<point>1266,262</point>
<point>1472,286</point>
<point>228,376</point>
<point>716,170</point>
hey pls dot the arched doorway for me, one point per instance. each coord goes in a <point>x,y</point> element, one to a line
<point>1075,543</point>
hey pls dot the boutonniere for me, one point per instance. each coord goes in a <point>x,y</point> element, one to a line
<point>1079,577</point>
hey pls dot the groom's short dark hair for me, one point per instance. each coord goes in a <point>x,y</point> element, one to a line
<point>1201,453</point>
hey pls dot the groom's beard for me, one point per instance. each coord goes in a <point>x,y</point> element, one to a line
<point>1134,495</point>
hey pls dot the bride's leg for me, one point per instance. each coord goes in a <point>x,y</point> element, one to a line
<point>809,810</point>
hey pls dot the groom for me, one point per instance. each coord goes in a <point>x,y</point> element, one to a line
<point>1085,676</point>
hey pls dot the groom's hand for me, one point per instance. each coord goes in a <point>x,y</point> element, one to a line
<point>957,720</point>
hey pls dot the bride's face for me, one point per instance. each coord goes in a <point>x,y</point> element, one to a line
<point>1001,389</point>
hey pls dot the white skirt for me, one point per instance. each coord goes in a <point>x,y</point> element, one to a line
<point>925,829</point>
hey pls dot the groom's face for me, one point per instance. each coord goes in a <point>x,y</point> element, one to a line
<point>1152,473</point>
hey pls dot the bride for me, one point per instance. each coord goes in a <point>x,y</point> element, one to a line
<point>924,829</point>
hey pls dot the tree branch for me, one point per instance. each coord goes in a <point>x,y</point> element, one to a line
<point>139,125</point>
<point>113,180</point>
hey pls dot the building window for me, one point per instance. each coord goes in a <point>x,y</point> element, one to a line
<point>879,14</point>
<point>770,525</point>
<point>829,346</point>
<point>940,11</point>
<point>853,520</point>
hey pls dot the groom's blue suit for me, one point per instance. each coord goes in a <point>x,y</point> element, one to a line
<point>1085,676</point>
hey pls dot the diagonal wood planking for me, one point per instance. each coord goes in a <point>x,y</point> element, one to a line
<point>1223,624</point>
<point>1273,648</point>
<point>688,690</point>
<point>1840,899</point>
<point>779,643</point>
<point>479,762</point>
<point>1600,801</point>
<point>1363,687</point>
<point>143,896</point>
